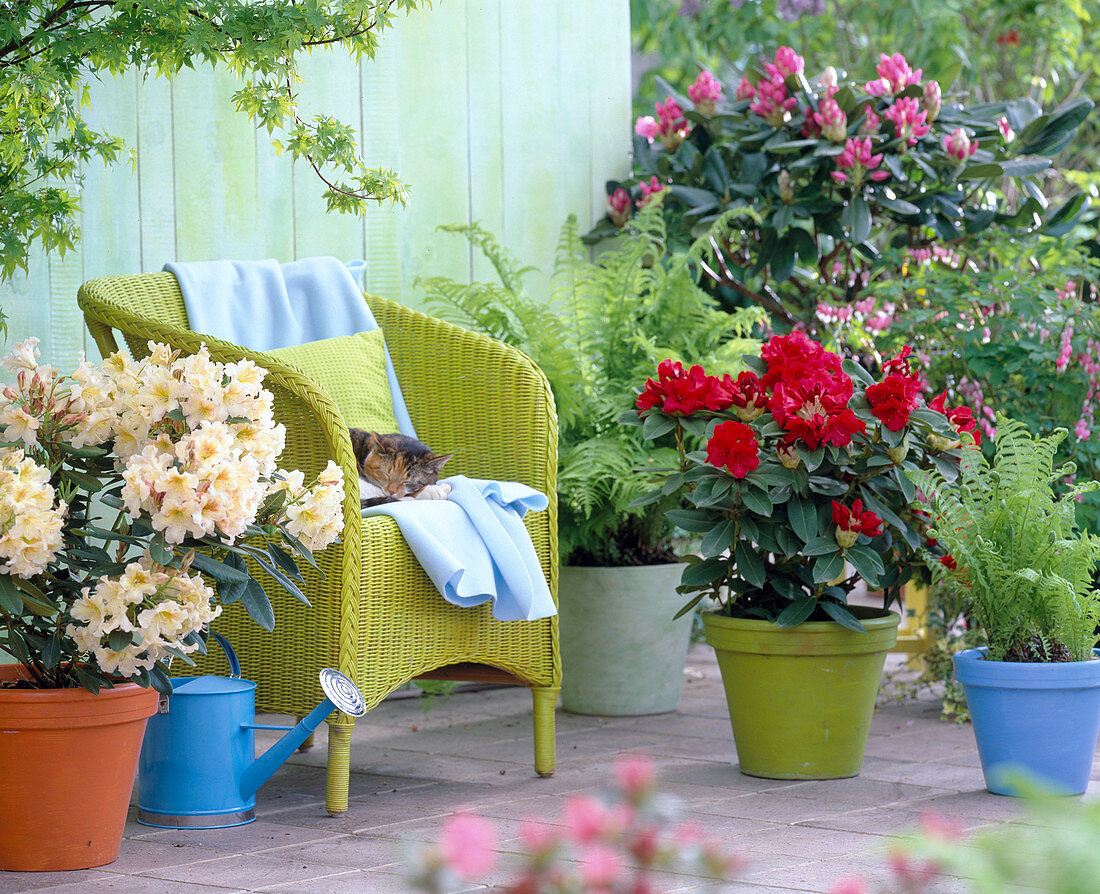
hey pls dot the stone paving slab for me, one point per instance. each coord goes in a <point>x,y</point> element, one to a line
<point>473,751</point>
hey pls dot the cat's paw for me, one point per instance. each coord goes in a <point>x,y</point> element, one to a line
<point>433,492</point>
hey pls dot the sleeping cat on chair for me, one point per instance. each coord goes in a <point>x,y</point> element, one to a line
<point>396,467</point>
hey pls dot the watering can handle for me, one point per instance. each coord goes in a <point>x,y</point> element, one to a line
<point>231,656</point>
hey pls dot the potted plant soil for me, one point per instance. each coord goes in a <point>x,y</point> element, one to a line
<point>794,472</point>
<point>1025,572</point>
<point>179,457</point>
<point>606,325</point>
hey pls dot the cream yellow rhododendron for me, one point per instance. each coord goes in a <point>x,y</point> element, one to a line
<point>184,450</point>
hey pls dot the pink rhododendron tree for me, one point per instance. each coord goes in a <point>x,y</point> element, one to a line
<point>823,176</point>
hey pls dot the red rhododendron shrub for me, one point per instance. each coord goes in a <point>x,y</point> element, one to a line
<point>798,488</point>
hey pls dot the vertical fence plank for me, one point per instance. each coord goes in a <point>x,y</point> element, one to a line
<point>532,119</point>
<point>379,129</point>
<point>330,87</point>
<point>609,94</point>
<point>434,144</point>
<point>26,303</point>
<point>156,173</point>
<point>488,88</point>
<point>111,231</point>
<point>215,170</point>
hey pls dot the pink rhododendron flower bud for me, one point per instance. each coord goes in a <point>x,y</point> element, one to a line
<point>932,100</point>
<point>773,103</point>
<point>856,163</point>
<point>646,126</point>
<point>466,844</point>
<point>895,74</point>
<point>869,126</point>
<point>672,128</point>
<point>786,194</point>
<point>649,189</point>
<point>787,63</point>
<point>828,77</point>
<point>910,121</point>
<point>1007,133</point>
<point>832,121</point>
<point>957,144</point>
<point>705,92</point>
<point>620,207</point>
<point>745,89</point>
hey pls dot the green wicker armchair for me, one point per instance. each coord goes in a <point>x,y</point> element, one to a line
<point>375,615</point>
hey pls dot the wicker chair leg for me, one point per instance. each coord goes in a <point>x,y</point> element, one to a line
<point>308,743</point>
<point>545,699</point>
<point>339,768</point>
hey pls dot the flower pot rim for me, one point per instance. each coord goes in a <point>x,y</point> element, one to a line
<point>75,707</point>
<point>973,669</point>
<point>979,653</point>
<point>871,617</point>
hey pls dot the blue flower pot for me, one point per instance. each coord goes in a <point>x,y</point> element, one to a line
<point>1038,719</point>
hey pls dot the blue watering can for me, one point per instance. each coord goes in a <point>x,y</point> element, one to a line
<point>198,768</point>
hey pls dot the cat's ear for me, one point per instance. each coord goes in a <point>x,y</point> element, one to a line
<point>436,462</point>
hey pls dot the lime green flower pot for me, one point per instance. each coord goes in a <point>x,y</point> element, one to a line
<point>801,698</point>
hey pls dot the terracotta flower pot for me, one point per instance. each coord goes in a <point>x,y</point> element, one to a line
<point>67,761</point>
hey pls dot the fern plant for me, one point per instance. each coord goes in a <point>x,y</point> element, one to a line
<point>605,327</point>
<point>1014,550</point>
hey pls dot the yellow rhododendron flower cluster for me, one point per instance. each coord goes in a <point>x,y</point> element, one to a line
<point>157,606</point>
<point>189,445</point>
<point>30,523</point>
<point>314,514</point>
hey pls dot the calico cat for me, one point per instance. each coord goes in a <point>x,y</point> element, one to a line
<point>396,467</point>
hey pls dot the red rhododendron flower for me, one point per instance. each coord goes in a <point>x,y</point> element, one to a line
<point>949,562</point>
<point>895,397</point>
<point>816,411</point>
<point>960,418</point>
<point>734,447</point>
<point>856,519</point>
<point>749,395</point>
<point>794,357</point>
<point>681,393</point>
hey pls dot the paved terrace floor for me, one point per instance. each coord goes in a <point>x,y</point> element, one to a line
<point>473,752</point>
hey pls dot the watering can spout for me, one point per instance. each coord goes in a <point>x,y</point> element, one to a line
<point>341,694</point>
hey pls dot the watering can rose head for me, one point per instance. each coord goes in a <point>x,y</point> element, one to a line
<point>130,494</point>
<point>792,476</point>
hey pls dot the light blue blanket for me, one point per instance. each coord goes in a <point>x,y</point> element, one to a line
<point>264,305</point>
<point>473,545</point>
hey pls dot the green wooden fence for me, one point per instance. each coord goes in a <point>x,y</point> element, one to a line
<point>508,112</point>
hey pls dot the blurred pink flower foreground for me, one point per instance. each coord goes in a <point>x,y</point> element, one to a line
<point>614,845</point>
